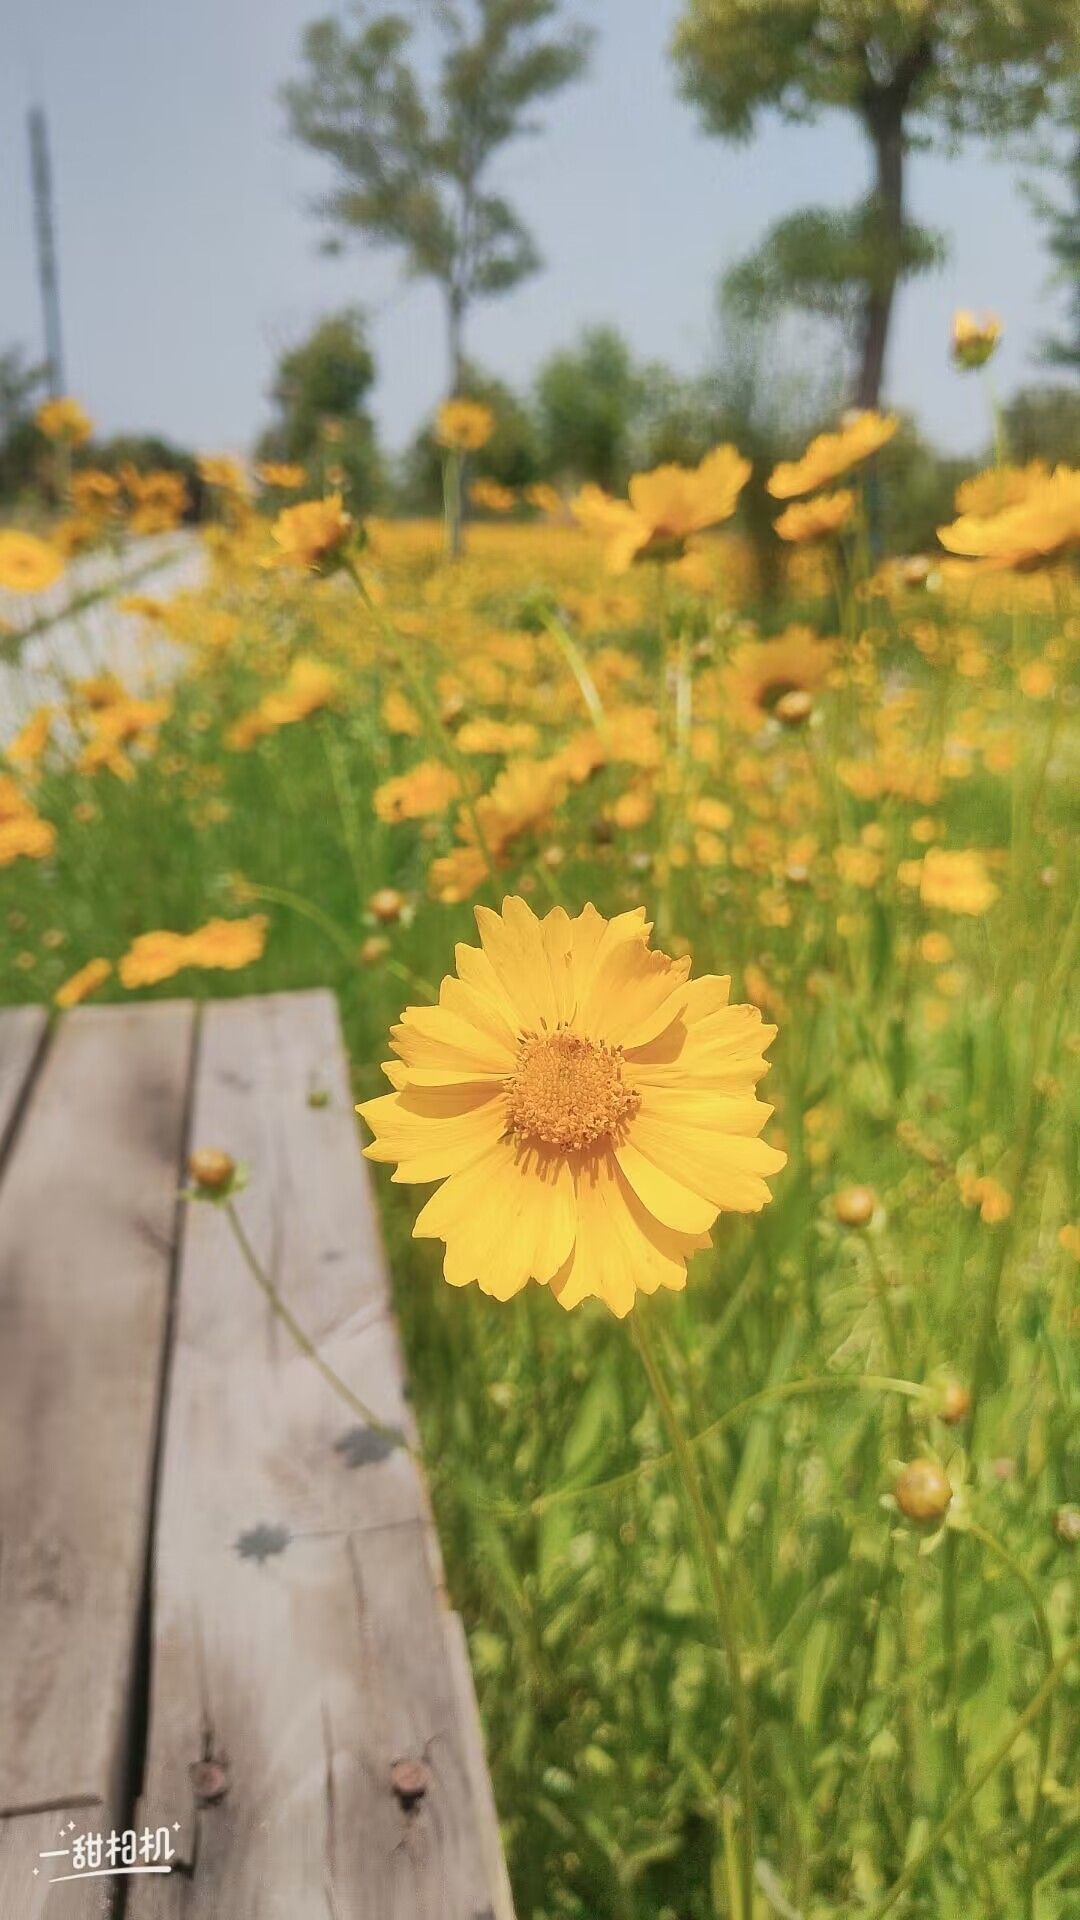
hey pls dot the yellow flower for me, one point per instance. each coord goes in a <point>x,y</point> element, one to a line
<point>220,470</point>
<point>83,983</point>
<point>310,684</point>
<point>464,426</point>
<point>313,533</point>
<point>957,882</point>
<point>974,340</point>
<point>25,836</point>
<point>523,797</point>
<point>832,454</point>
<point>27,564</point>
<point>762,673</point>
<point>228,944</point>
<point>586,1107</point>
<point>1043,525</point>
<point>286,476</point>
<point>425,790</point>
<point>999,487</point>
<point>399,715</point>
<point>545,498</point>
<point>993,1202</point>
<point>816,519</point>
<point>665,508</point>
<point>63,418</point>
<point>32,739</point>
<point>491,497</point>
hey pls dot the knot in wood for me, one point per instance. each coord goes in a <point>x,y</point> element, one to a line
<point>410,1780</point>
<point>209,1781</point>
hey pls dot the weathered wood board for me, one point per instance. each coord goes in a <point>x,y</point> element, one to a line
<point>300,1646</point>
<point>88,1207</point>
<point>22,1032</point>
<point>297,1709</point>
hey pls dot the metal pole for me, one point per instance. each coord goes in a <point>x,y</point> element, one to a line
<point>41,177</point>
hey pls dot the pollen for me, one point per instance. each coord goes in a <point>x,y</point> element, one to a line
<point>567,1092</point>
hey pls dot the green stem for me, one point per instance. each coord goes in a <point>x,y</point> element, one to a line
<point>978,1780</point>
<point>785,1390</point>
<point>710,1555</point>
<point>441,738</point>
<point>303,1340</point>
<point>1023,1579</point>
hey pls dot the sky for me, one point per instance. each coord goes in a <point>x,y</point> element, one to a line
<point>189,255</point>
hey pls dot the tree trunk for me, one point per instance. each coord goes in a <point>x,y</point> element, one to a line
<point>455,317</point>
<point>883,114</point>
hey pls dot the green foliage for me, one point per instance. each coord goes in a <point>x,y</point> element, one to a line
<point>1043,423</point>
<point>321,385</point>
<point>21,386</point>
<point>1062,220</point>
<point>589,400</point>
<point>412,106</point>
<point>987,67</point>
<point>914,491</point>
<point>822,262</point>
<point>970,66</point>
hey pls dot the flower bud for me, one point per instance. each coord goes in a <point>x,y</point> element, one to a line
<point>212,1171</point>
<point>794,709</point>
<point>373,949</point>
<point>1067,1526</point>
<point>923,1493</point>
<point>955,1403</point>
<point>386,905</point>
<point>854,1206</point>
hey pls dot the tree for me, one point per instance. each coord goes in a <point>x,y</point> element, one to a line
<point>20,442</point>
<point>589,400</point>
<point>906,69</point>
<point>412,106</point>
<point>318,394</point>
<point>1062,222</point>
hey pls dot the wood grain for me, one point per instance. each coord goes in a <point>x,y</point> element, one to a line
<point>300,1642</point>
<point>87,1215</point>
<point>22,1034</point>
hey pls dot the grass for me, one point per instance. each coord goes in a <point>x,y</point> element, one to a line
<point>912,1696</point>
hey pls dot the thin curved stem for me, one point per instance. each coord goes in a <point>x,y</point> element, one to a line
<point>1023,1579</point>
<point>718,1586</point>
<point>304,1341</point>
<point>978,1780</point>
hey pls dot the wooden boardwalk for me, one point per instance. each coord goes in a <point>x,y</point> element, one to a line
<point>221,1607</point>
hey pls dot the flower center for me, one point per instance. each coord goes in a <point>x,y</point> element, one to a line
<point>566,1091</point>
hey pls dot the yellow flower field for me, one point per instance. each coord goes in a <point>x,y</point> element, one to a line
<point>711,974</point>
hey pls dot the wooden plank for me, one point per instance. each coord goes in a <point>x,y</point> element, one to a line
<point>22,1033</point>
<point>299,1640</point>
<point>87,1221</point>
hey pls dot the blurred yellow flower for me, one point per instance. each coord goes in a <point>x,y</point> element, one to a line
<point>464,426</point>
<point>314,533</point>
<point>27,564</point>
<point>492,497</point>
<point>227,944</point>
<point>285,476</point>
<point>665,507</point>
<point>760,674</point>
<point>425,790</point>
<point>832,454</point>
<point>64,419</point>
<point>586,1107</point>
<point>1043,525</point>
<point>817,519</point>
<point>974,339</point>
<point>83,983</point>
<point>957,882</point>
